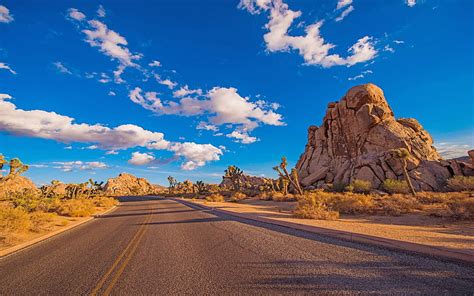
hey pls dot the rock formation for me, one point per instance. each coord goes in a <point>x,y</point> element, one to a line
<point>355,140</point>
<point>127,184</point>
<point>16,184</point>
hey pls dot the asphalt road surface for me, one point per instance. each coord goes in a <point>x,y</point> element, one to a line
<point>152,246</point>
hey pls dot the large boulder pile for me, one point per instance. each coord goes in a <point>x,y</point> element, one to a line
<point>16,184</point>
<point>246,181</point>
<point>127,184</point>
<point>355,141</point>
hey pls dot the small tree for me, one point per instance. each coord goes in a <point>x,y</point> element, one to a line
<point>234,174</point>
<point>402,154</point>
<point>201,186</point>
<point>291,178</point>
<point>17,167</point>
<point>173,184</point>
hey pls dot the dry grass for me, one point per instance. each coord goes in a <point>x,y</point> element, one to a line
<point>80,207</point>
<point>310,206</point>
<point>461,209</point>
<point>461,183</point>
<point>395,186</point>
<point>237,196</point>
<point>276,196</point>
<point>215,197</point>
<point>104,202</point>
<point>397,204</point>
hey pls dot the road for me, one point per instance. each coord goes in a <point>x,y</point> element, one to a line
<point>153,246</point>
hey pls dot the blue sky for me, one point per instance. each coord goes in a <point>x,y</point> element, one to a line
<point>202,85</point>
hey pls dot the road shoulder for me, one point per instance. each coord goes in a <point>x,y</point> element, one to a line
<point>270,216</point>
<point>21,246</point>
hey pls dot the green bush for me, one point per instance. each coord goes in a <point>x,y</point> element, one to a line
<point>361,186</point>
<point>461,183</point>
<point>395,186</point>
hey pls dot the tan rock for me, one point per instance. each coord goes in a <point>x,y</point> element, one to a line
<point>354,140</point>
<point>127,184</point>
<point>16,184</point>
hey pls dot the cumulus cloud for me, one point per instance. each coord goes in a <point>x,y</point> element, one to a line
<point>101,11</point>
<point>53,126</point>
<point>141,158</point>
<point>6,67</point>
<point>311,46</point>
<point>170,84</point>
<point>61,68</point>
<point>206,126</point>
<point>242,137</point>
<point>185,91</point>
<point>155,63</point>
<point>5,16</point>
<point>75,14</point>
<point>410,3</point>
<point>345,13</point>
<point>70,166</point>
<point>221,106</point>
<point>343,3</point>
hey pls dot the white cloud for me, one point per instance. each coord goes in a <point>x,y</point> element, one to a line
<point>206,126</point>
<point>185,91</point>
<point>242,137</point>
<point>69,166</point>
<point>53,126</point>
<point>104,78</point>
<point>61,68</point>
<point>75,14</point>
<point>5,16</point>
<point>170,84</point>
<point>111,93</point>
<point>312,46</point>
<point>388,48</point>
<point>410,3</point>
<point>361,75</point>
<point>141,158</point>
<point>343,3</point>
<point>221,105</point>
<point>398,41</point>
<point>111,152</point>
<point>345,13</point>
<point>6,67</point>
<point>155,64</point>
<point>101,11</point>
<point>454,149</point>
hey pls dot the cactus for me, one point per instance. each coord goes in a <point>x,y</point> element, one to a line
<point>292,179</point>
<point>402,154</point>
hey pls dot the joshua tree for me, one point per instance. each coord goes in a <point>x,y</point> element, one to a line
<point>234,174</point>
<point>173,184</point>
<point>17,167</point>
<point>293,178</point>
<point>188,186</point>
<point>201,186</point>
<point>2,163</point>
<point>402,154</point>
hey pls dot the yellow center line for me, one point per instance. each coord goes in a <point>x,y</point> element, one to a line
<point>131,245</point>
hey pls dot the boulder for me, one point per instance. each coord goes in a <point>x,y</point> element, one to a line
<point>127,184</point>
<point>356,137</point>
<point>15,184</point>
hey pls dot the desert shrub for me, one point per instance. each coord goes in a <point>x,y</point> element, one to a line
<point>237,196</point>
<point>435,197</point>
<point>361,186</point>
<point>102,201</point>
<point>26,200</point>
<point>14,220</point>
<point>311,206</point>
<point>461,183</point>
<point>278,196</point>
<point>265,196</point>
<point>40,221</point>
<point>351,203</point>
<point>397,204</point>
<point>461,209</point>
<point>79,207</point>
<point>395,186</point>
<point>215,197</point>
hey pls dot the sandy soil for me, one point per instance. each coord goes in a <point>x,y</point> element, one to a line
<point>416,228</point>
<point>54,224</point>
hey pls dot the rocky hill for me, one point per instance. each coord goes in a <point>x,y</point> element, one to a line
<point>355,140</point>
<point>127,184</point>
<point>14,184</point>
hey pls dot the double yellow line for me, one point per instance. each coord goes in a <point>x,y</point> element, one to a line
<point>127,253</point>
